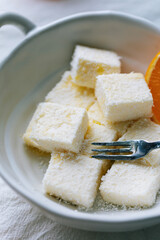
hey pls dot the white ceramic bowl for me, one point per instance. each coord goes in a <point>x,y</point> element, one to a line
<point>32,69</point>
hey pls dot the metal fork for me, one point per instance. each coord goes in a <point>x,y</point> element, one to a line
<point>127,150</point>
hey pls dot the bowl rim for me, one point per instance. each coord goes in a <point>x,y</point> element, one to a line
<point>75,215</point>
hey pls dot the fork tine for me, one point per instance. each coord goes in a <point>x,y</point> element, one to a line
<point>123,143</point>
<point>116,157</point>
<point>118,150</point>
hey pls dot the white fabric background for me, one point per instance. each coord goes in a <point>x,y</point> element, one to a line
<point>19,220</point>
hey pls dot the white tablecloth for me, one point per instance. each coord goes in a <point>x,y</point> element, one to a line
<point>19,220</point>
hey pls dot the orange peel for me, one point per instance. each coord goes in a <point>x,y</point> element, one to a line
<point>152,78</point>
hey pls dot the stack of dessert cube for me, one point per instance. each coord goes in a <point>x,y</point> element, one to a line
<point>94,102</point>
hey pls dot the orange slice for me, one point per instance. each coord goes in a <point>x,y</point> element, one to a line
<point>152,78</point>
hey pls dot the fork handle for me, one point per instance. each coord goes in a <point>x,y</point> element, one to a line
<point>155,145</point>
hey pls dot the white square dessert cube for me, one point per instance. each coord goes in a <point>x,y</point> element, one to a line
<point>97,133</point>
<point>88,63</point>
<point>55,126</point>
<point>123,97</point>
<point>74,178</point>
<point>131,184</point>
<point>68,93</point>
<point>96,115</point>
<point>147,130</point>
